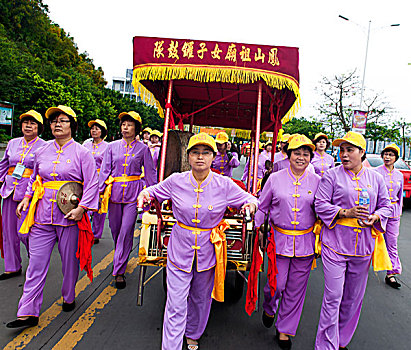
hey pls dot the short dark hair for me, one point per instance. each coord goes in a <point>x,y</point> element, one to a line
<point>137,125</point>
<point>393,151</point>
<point>318,139</point>
<point>103,130</point>
<point>39,125</point>
<point>73,123</point>
<point>289,151</point>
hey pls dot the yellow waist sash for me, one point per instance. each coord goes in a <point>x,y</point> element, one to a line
<point>27,172</point>
<point>293,232</point>
<point>38,188</point>
<point>380,259</point>
<point>217,237</point>
<point>107,192</point>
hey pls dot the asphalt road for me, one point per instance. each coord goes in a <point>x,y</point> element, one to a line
<point>106,318</point>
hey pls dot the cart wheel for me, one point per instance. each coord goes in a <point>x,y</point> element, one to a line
<point>165,279</point>
<point>233,287</point>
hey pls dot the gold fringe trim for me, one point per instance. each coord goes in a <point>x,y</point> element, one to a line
<point>222,74</point>
<point>147,97</point>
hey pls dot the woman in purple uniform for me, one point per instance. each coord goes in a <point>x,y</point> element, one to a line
<point>97,147</point>
<point>15,170</point>
<point>200,198</point>
<point>352,233</point>
<point>120,180</point>
<point>394,180</point>
<point>322,161</point>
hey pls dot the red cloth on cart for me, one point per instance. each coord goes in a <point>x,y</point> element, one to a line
<point>252,292</point>
<point>85,242</point>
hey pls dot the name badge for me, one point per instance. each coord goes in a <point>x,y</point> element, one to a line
<point>18,171</point>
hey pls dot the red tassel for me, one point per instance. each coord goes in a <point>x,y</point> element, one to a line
<point>272,264</point>
<point>85,242</point>
<point>252,293</point>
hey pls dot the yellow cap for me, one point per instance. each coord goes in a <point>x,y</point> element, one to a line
<point>354,138</point>
<point>99,122</point>
<point>131,114</point>
<point>297,141</point>
<point>320,134</point>
<point>221,137</point>
<point>285,137</point>
<point>392,147</point>
<point>202,139</point>
<point>147,129</point>
<point>32,113</point>
<point>156,133</point>
<point>61,108</point>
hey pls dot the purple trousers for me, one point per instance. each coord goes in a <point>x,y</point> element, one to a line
<point>391,240</point>
<point>122,219</point>
<point>11,236</point>
<point>188,305</point>
<point>345,280</point>
<point>42,241</point>
<point>292,282</point>
<point>98,223</point>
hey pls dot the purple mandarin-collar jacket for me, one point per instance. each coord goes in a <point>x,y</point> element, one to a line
<point>340,189</point>
<point>223,165</point>
<point>121,159</point>
<point>197,205</point>
<point>394,181</point>
<point>322,163</point>
<point>291,206</point>
<point>18,151</point>
<point>72,162</point>
<point>97,150</point>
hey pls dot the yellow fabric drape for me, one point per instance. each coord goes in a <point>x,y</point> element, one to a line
<point>217,237</point>
<point>27,172</point>
<point>380,259</point>
<point>318,226</point>
<point>38,188</point>
<point>298,233</point>
<point>107,192</point>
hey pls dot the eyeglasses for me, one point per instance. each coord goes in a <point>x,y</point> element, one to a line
<point>198,153</point>
<point>61,121</point>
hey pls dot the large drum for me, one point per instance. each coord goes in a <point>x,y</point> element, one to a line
<point>176,154</point>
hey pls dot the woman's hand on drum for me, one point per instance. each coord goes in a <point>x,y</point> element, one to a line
<point>357,212</point>
<point>251,206</point>
<point>143,199</point>
<point>23,205</point>
<point>75,214</point>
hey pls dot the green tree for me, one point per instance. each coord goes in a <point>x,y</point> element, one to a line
<point>303,126</point>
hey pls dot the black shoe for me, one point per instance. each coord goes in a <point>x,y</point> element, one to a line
<point>96,241</point>
<point>392,282</point>
<point>67,307</point>
<point>267,320</point>
<point>283,344</point>
<point>120,282</point>
<point>31,321</point>
<point>343,348</point>
<point>7,275</point>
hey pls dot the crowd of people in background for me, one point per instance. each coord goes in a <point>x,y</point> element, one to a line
<point>313,208</point>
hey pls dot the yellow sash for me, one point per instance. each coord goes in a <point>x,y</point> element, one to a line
<point>38,188</point>
<point>217,237</point>
<point>27,172</point>
<point>300,233</point>
<point>380,259</point>
<point>107,192</point>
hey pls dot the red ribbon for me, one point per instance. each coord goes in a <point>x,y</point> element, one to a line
<point>1,236</point>
<point>85,242</point>
<point>272,264</point>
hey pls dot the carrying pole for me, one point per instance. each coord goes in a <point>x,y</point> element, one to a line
<point>165,133</point>
<point>257,135</point>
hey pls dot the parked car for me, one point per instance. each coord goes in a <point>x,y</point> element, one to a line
<point>375,160</point>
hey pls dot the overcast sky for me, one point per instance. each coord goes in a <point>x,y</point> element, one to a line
<point>328,45</point>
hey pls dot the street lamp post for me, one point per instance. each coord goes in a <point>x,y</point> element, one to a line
<point>366,50</point>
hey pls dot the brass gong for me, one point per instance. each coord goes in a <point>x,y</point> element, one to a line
<point>69,196</point>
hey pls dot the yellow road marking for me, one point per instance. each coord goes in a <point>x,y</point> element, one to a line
<point>54,310</point>
<point>86,320</point>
